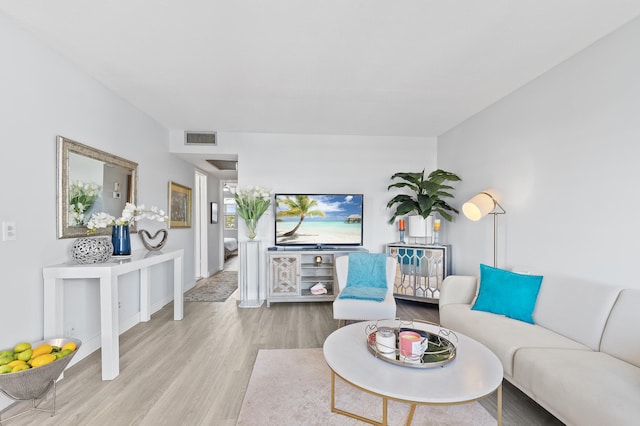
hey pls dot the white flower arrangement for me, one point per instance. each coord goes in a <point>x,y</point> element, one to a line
<point>130,214</point>
<point>251,204</point>
<point>82,196</point>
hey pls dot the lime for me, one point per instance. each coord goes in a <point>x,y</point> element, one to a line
<point>65,352</point>
<point>24,355</point>
<point>22,347</point>
<point>6,360</point>
<point>6,353</point>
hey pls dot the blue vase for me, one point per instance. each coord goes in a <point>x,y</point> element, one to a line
<point>121,240</point>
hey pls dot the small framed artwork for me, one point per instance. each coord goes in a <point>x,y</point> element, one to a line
<point>179,206</point>
<point>214,212</point>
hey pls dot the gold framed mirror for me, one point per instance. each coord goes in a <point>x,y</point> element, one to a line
<point>90,181</point>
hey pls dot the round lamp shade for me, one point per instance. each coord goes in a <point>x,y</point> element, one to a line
<point>479,206</point>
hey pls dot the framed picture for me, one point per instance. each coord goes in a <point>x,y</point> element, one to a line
<point>214,212</point>
<point>179,206</point>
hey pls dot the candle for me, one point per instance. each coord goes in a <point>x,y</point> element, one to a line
<point>436,225</point>
<point>401,225</point>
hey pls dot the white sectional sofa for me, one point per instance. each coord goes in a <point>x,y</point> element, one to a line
<point>581,358</point>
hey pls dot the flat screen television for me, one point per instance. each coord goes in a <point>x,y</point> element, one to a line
<point>318,220</point>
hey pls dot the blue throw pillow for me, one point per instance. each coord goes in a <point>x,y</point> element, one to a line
<point>507,293</point>
<point>367,270</point>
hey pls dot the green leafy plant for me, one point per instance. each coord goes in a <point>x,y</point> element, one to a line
<point>428,194</point>
<point>251,203</point>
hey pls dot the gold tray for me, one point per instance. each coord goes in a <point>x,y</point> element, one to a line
<point>440,351</point>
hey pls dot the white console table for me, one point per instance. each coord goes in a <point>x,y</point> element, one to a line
<point>107,273</point>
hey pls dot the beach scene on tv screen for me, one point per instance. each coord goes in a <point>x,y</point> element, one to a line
<point>318,219</point>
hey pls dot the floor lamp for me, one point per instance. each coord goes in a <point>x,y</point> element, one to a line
<point>478,207</point>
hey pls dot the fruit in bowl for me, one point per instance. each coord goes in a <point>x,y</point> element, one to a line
<point>24,356</point>
<point>28,370</point>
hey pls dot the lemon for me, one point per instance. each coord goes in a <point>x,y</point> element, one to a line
<point>6,369</point>
<point>69,345</point>
<point>17,362</point>
<point>22,347</point>
<point>41,350</point>
<point>20,368</point>
<point>43,360</point>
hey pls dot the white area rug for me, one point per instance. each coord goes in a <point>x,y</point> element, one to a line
<point>293,387</point>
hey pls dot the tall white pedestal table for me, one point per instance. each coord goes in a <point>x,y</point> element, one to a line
<point>107,273</point>
<point>252,260</point>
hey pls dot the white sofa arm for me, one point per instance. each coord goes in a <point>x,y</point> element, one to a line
<point>458,289</point>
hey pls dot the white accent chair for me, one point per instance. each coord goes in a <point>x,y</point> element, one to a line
<point>363,310</point>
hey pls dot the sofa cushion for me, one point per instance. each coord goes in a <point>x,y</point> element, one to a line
<point>577,309</point>
<point>507,293</point>
<point>502,335</point>
<point>354,309</point>
<point>580,387</point>
<point>621,336</point>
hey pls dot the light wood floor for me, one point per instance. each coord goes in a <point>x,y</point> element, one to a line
<point>195,371</point>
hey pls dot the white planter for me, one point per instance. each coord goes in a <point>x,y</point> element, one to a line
<point>420,227</point>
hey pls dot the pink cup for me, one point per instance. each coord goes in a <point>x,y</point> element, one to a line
<point>410,345</point>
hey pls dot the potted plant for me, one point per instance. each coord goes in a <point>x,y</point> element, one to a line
<point>428,194</point>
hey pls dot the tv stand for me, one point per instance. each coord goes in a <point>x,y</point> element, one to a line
<point>293,271</point>
<point>318,247</point>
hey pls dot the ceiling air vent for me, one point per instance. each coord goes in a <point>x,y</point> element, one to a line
<point>200,138</point>
<point>224,164</point>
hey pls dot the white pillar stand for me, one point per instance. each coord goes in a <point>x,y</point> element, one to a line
<point>251,265</point>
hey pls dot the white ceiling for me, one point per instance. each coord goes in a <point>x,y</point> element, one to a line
<point>365,67</point>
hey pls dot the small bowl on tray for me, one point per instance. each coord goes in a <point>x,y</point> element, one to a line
<point>440,344</point>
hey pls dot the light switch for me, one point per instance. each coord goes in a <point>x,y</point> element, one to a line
<point>8,231</point>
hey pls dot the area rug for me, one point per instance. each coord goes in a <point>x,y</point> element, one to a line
<point>216,288</point>
<point>293,387</point>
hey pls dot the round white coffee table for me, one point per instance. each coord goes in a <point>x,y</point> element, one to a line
<point>473,374</point>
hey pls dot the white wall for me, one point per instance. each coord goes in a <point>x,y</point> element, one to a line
<point>323,164</point>
<point>563,153</point>
<point>43,96</point>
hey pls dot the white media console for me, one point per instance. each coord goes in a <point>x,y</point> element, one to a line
<point>293,271</point>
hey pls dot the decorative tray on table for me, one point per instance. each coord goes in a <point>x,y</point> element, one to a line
<point>436,346</point>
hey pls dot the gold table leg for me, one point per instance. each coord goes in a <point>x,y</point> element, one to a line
<point>411,413</point>
<point>500,405</point>
<point>385,402</point>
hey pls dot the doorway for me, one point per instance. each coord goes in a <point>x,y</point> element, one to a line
<point>229,226</point>
<point>201,215</point>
